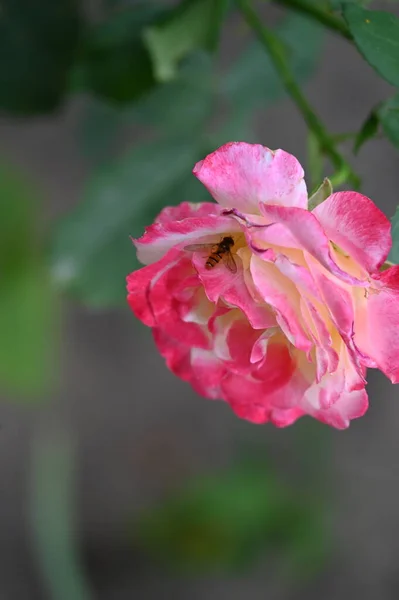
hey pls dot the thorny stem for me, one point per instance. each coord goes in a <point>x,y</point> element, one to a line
<point>277,53</point>
<point>312,9</point>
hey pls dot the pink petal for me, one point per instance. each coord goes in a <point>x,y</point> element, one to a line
<point>185,210</point>
<point>139,285</point>
<point>357,226</point>
<point>308,233</point>
<point>177,356</point>
<point>350,405</point>
<point>377,322</point>
<point>299,275</point>
<point>326,356</point>
<point>221,284</point>
<point>160,237</point>
<point>208,373</point>
<point>279,292</point>
<point>275,397</point>
<point>241,175</point>
<point>167,310</point>
<point>339,396</point>
<point>340,304</point>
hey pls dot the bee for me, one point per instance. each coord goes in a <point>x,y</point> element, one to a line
<point>217,252</point>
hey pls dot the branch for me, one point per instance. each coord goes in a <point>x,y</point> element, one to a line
<point>311,9</point>
<point>277,53</point>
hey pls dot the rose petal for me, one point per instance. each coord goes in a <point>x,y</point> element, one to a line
<point>281,389</point>
<point>350,405</point>
<point>280,293</point>
<point>186,210</point>
<point>326,356</point>
<point>222,284</point>
<point>139,285</point>
<point>160,237</point>
<point>377,322</point>
<point>241,175</point>
<point>357,226</point>
<point>309,235</point>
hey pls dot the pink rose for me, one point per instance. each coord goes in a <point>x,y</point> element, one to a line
<point>288,325</point>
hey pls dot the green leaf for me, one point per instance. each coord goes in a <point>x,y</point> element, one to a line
<point>227,521</point>
<point>37,46</point>
<point>185,30</point>
<point>219,10</point>
<point>52,480</point>
<point>92,250</point>
<point>322,193</point>
<point>376,35</point>
<point>114,62</point>
<point>182,104</point>
<point>173,107</point>
<point>367,132</point>
<point>388,114</point>
<point>394,254</point>
<point>338,4</point>
<point>98,130</point>
<point>252,81</point>
<point>27,303</point>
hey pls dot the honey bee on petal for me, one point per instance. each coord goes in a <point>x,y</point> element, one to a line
<point>217,252</point>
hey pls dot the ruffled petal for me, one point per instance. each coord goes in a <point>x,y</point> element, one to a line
<point>160,237</point>
<point>186,210</point>
<point>357,226</point>
<point>276,395</point>
<point>377,322</point>
<point>308,234</point>
<point>279,292</point>
<point>350,405</point>
<point>241,175</point>
<point>139,285</point>
<point>221,284</point>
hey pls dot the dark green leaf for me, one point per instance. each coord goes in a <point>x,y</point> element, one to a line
<point>220,9</point>
<point>37,46</point>
<point>114,62</point>
<point>98,130</point>
<point>92,252</point>
<point>338,4</point>
<point>376,35</point>
<point>394,254</point>
<point>185,30</point>
<point>177,106</point>
<point>182,104</point>
<point>367,132</point>
<point>252,80</point>
<point>26,298</point>
<point>388,114</point>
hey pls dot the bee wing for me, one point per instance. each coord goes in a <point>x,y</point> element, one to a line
<point>196,247</point>
<point>230,262</point>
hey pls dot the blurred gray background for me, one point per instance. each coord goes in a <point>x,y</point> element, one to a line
<point>139,431</point>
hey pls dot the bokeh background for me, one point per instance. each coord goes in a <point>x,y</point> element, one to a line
<point>117,481</point>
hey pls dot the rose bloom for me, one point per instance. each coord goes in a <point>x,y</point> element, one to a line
<point>308,307</point>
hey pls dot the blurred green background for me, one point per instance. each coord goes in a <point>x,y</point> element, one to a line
<point>116,483</point>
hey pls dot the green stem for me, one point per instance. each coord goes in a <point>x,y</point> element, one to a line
<point>277,54</point>
<point>312,9</point>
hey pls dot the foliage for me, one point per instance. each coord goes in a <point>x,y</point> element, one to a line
<point>230,520</point>
<point>27,300</point>
<point>155,71</point>
<point>37,50</point>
